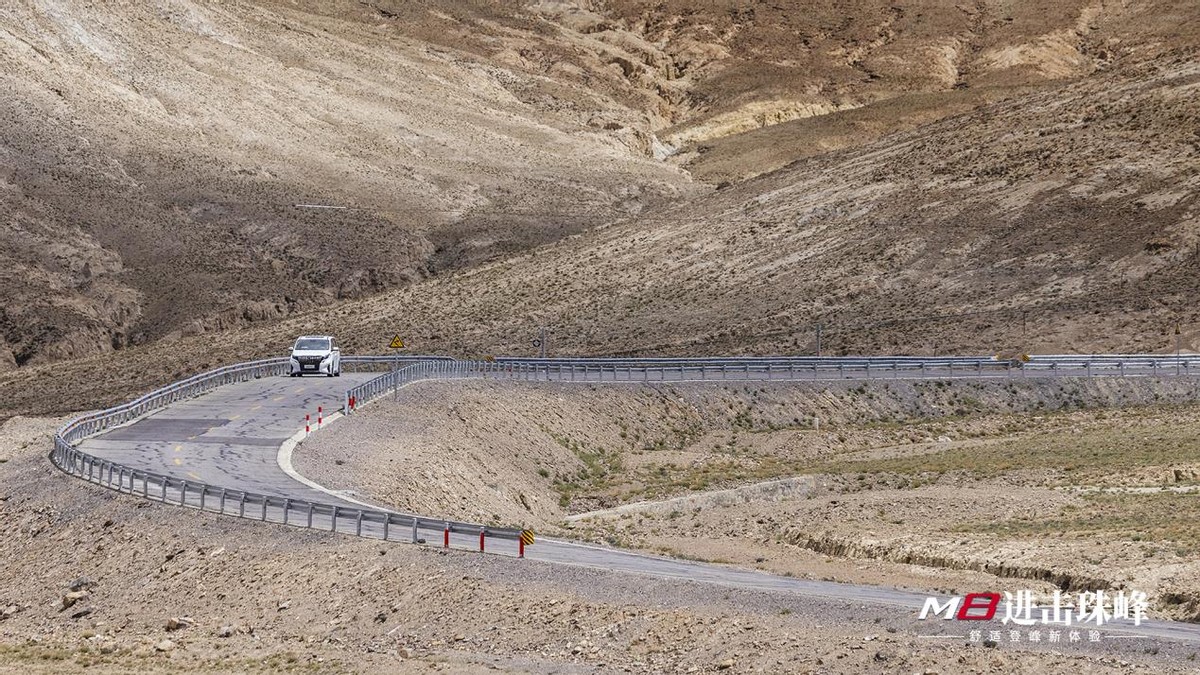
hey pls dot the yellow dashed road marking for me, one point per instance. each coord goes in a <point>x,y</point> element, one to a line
<point>178,462</point>
<point>256,407</point>
<point>234,417</point>
<point>192,475</point>
<point>179,448</point>
<point>278,398</point>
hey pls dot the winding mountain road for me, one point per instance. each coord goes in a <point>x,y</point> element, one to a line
<point>232,437</point>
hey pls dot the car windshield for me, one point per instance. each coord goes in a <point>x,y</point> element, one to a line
<point>312,344</point>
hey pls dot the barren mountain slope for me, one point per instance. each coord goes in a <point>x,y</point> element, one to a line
<point>1058,221</point>
<point>850,72</point>
<point>152,156</point>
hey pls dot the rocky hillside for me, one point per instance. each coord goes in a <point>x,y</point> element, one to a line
<point>502,170</point>
<point>1061,220</point>
<point>154,156</point>
<point>155,160</point>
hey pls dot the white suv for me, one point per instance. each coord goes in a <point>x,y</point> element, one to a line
<point>316,355</point>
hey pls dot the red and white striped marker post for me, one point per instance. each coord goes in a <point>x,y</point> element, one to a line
<point>446,536</point>
<point>482,534</point>
<point>306,423</point>
<point>520,547</point>
<point>320,416</point>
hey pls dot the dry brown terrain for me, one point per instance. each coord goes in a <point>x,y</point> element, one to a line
<point>153,156</point>
<point>92,580</point>
<point>665,177</point>
<point>1060,220</point>
<point>943,486</point>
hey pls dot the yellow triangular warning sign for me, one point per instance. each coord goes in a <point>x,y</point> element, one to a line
<point>397,343</point>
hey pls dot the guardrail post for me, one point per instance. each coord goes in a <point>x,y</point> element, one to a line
<point>203,494</point>
<point>310,515</point>
<point>183,493</point>
<point>287,508</point>
<point>164,490</point>
<point>358,524</point>
<point>242,505</point>
<point>333,520</point>
<point>414,524</point>
<point>222,502</point>
<point>265,499</point>
<point>387,520</point>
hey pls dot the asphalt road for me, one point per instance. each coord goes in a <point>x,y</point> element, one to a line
<point>231,438</point>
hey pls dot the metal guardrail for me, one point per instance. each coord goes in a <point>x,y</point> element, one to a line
<point>382,524</point>
<point>767,368</point>
<point>378,524</point>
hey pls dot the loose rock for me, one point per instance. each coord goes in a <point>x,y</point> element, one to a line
<point>73,597</point>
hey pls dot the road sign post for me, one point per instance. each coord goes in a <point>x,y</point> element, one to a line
<point>396,344</point>
<point>526,539</point>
